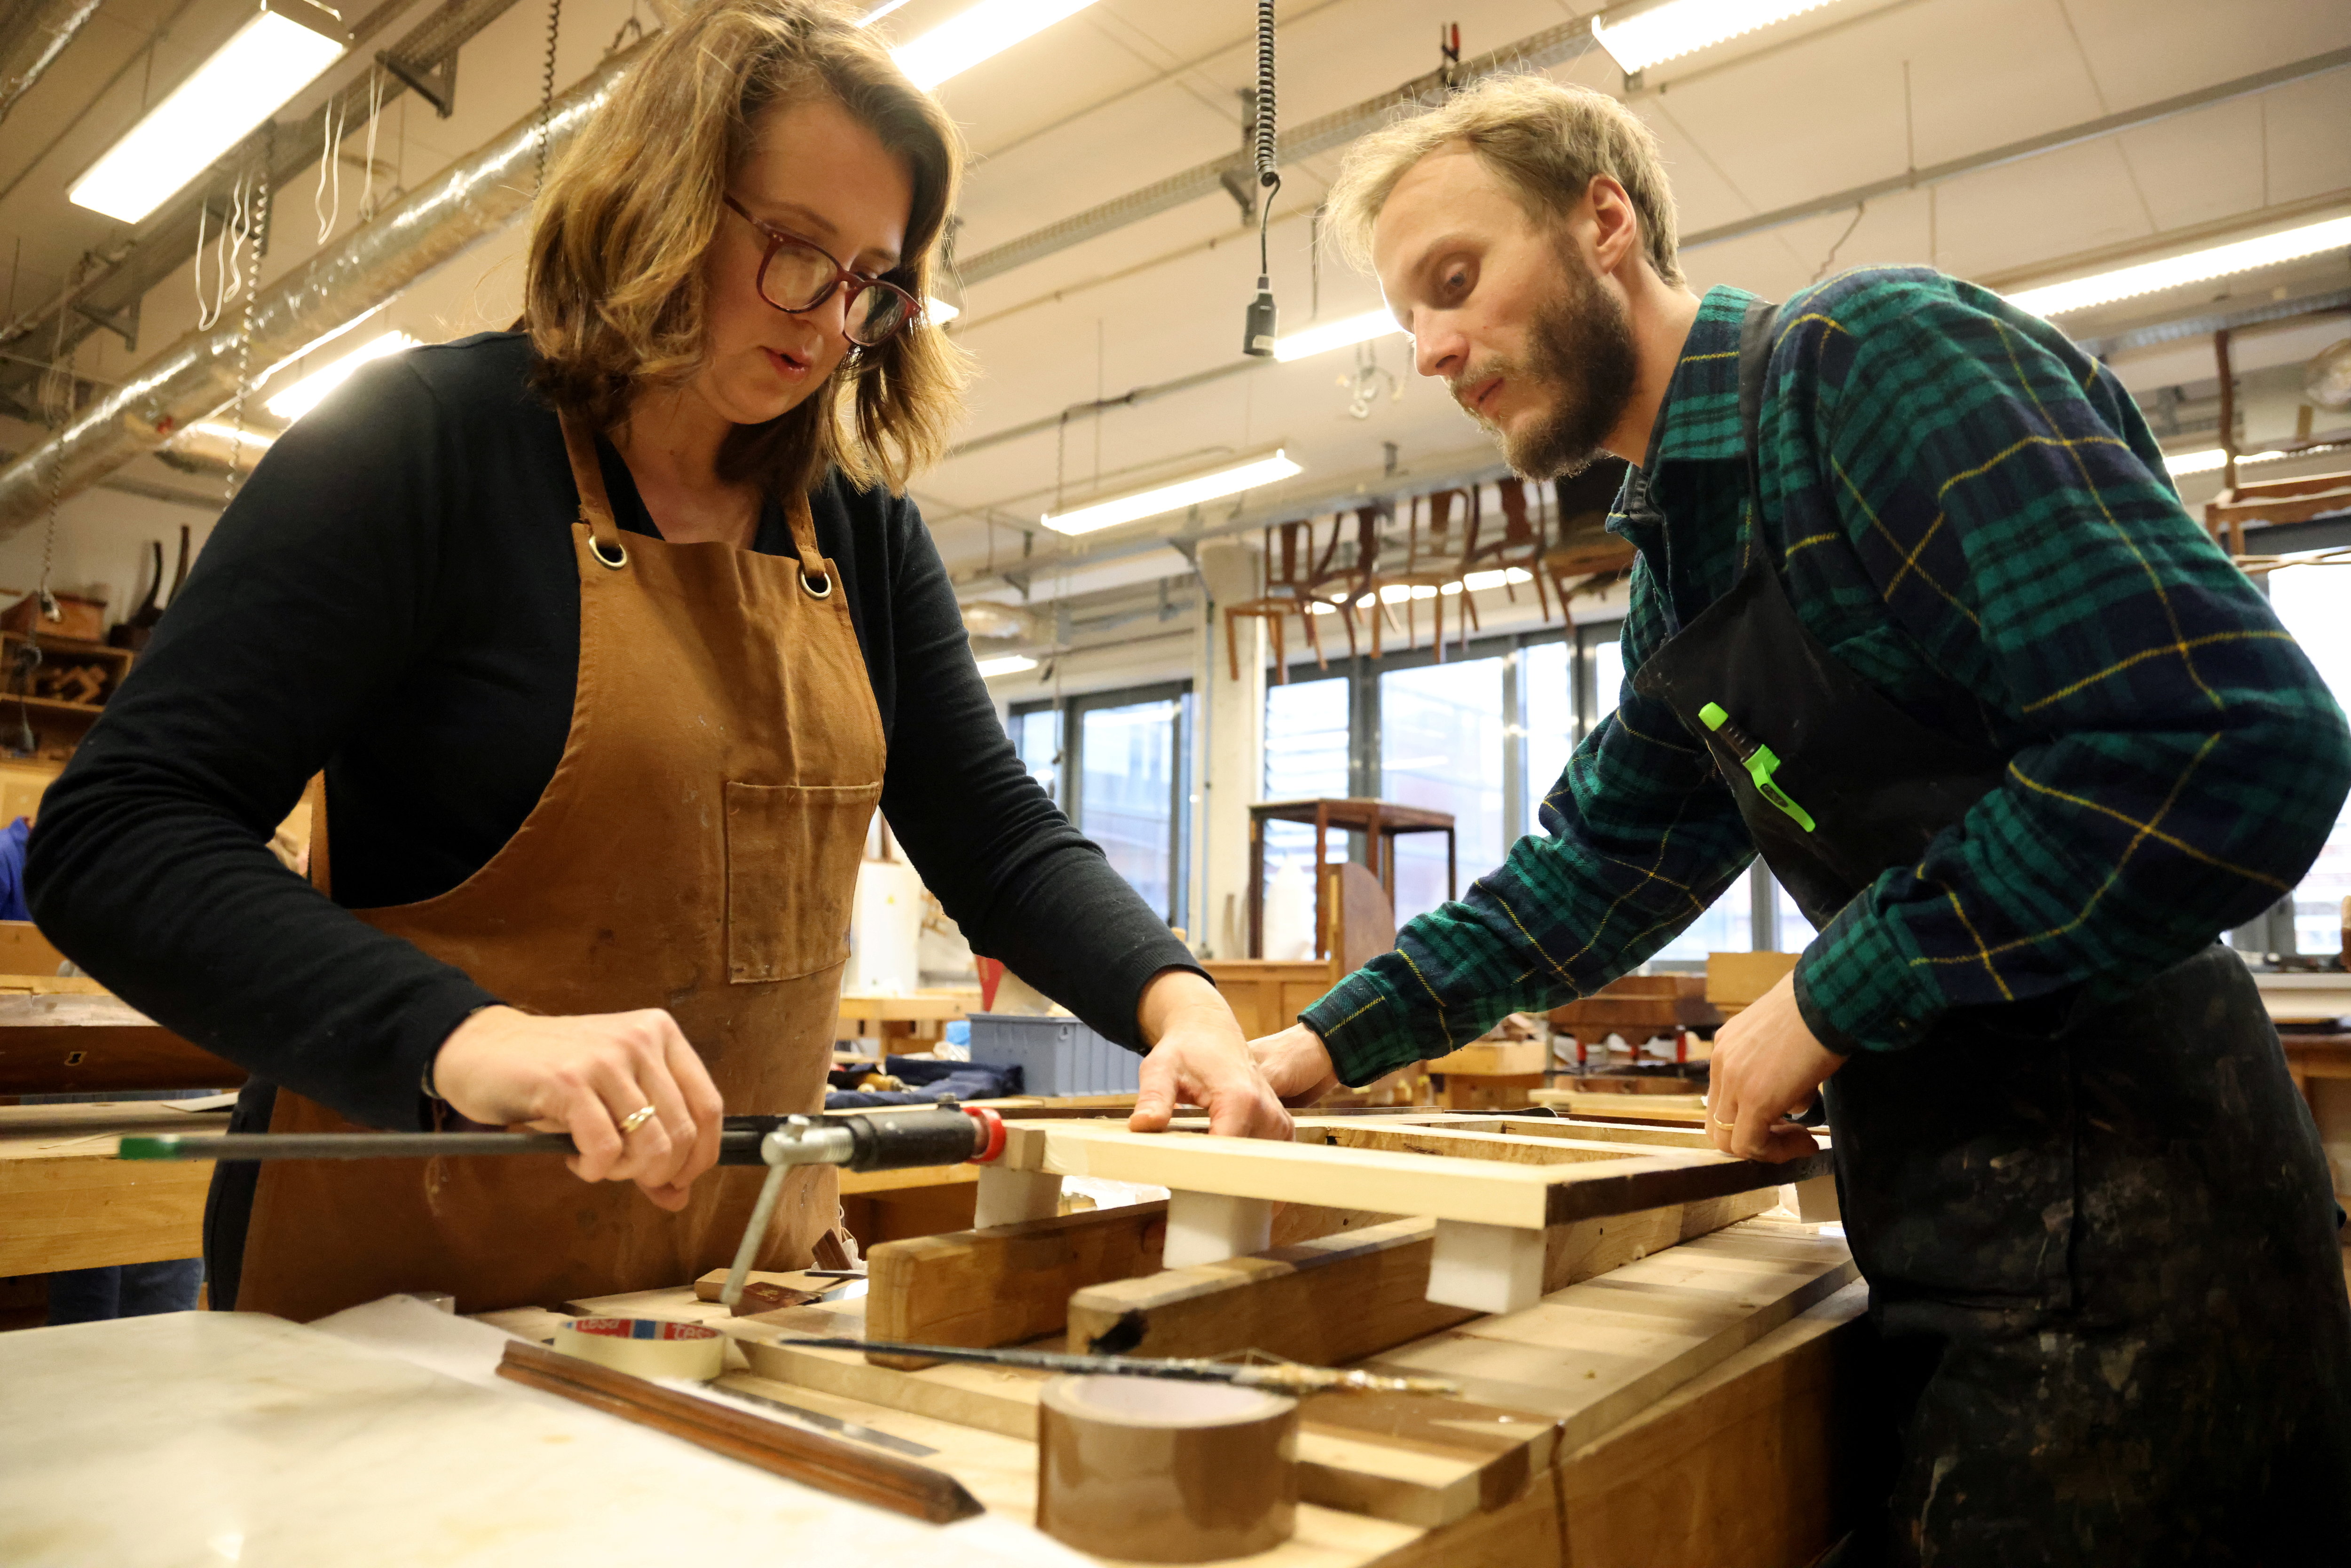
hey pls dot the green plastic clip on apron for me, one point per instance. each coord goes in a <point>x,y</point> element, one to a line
<point>2100,1242</point>
<point>696,849</point>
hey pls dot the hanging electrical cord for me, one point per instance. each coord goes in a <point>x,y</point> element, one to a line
<point>331,169</point>
<point>1257,333</point>
<point>375,114</point>
<point>546,89</point>
<point>258,220</point>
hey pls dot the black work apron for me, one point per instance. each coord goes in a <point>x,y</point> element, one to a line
<point>2100,1239</point>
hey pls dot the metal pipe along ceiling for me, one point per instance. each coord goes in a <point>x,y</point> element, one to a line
<point>27,58</point>
<point>196,376</point>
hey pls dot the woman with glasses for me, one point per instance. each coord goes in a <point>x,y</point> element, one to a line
<point>609,636</point>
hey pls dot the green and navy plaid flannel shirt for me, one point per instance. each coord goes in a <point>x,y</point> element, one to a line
<point>1974,517</point>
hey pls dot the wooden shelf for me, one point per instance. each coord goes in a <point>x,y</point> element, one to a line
<point>78,646</point>
<point>51,705</point>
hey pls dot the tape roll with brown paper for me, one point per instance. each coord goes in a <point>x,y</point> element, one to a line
<point>1159,1471</point>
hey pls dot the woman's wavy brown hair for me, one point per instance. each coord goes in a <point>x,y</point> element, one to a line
<point>614,296</point>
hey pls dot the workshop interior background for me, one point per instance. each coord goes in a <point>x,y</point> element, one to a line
<point>1105,250</point>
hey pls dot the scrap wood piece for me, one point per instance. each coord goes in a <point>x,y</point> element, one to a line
<point>1006,1285</point>
<point>1595,1353</point>
<point>1327,1302</point>
<point>1418,1460</point>
<point>1475,1144</point>
<point>830,1464</point>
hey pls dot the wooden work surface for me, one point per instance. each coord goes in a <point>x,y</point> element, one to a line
<point>1690,1403</point>
<point>65,1202</point>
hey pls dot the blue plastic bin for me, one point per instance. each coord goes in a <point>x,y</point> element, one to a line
<point>1055,1055</point>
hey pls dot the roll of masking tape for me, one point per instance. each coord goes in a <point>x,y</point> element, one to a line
<point>645,1346</point>
<point>1159,1471</point>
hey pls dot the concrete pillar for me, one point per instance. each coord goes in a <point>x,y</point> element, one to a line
<point>1232,775</point>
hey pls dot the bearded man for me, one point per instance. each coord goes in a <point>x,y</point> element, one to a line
<point>1919,616</point>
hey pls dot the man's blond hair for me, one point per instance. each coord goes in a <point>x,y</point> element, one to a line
<point>1544,141</point>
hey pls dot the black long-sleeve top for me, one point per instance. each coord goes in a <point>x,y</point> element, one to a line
<point>393,597</point>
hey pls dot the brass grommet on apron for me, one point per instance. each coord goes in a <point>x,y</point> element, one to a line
<point>616,561</point>
<point>819,586</point>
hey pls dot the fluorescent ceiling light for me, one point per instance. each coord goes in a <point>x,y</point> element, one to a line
<point>1009,664</point>
<point>219,432</point>
<point>2196,267</point>
<point>1170,497</point>
<point>2211,460</point>
<point>937,311</point>
<point>272,58</point>
<point>988,28</point>
<point>1339,334</point>
<point>305,395</point>
<point>1677,28</point>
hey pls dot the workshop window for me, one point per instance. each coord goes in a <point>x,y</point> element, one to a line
<point>1441,748</point>
<point>1308,741</point>
<point>1036,732</point>
<point>2308,599</point>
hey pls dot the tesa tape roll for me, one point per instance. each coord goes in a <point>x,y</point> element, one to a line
<point>1159,1471</point>
<point>645,1346</point>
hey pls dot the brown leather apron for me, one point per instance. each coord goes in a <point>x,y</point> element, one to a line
<point>696,849</point>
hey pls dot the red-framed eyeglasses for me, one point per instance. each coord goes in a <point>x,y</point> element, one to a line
<point>797,275</point>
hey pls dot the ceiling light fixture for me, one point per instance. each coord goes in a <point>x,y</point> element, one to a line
<point>1005,665</point>
<point>2211,460</point>
<point>2196,267</point>
<point>1340,334</point>
<point>987,29</point>
<point>306,395</point>
<point>273,57</point>
<point>1231,481</point>
<point>937,311</point>
<point>1639,36</point>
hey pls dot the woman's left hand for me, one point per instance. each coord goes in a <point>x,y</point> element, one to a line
<point>1766,1065</point>
<point>1199,1056</point>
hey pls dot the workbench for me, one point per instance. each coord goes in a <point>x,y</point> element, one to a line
<point>1693,1418</point>
<point>65,1202</point>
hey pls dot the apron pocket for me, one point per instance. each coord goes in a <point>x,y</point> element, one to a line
<point>792,852</point>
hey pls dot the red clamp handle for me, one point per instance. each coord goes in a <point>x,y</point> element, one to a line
<point>995,1125</point>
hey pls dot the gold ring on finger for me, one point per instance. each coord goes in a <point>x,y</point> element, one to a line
<point>635,1119</point>
<point>1718,1122</point>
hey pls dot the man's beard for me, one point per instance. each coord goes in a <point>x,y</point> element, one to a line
<point>1579,348</point>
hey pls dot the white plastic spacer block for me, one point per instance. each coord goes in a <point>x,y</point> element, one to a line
<point>1009,1196</point>
<point>1485,1268</point>
<point>1816,1200</point>
<point>1205,1228</point>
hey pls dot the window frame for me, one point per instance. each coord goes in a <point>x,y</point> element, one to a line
<point>1069,774</point>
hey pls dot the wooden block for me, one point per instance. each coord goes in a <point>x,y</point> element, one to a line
<point>1751,1462</point>
<point>1596,1352</point>
<point>1008,1284</point>
<point>1734,980</point>
<point>1009,1196</point>
<point>1464,1141</point>
<point>1416,1459</point>
<point>1686,1110</point>
<point>1640,1005</point>
<point>1207,1227</point>
<point>1495,1059</point>
<point>1487,1267</point>
<point>1481,1091</point>
<point>1326,1302</point>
